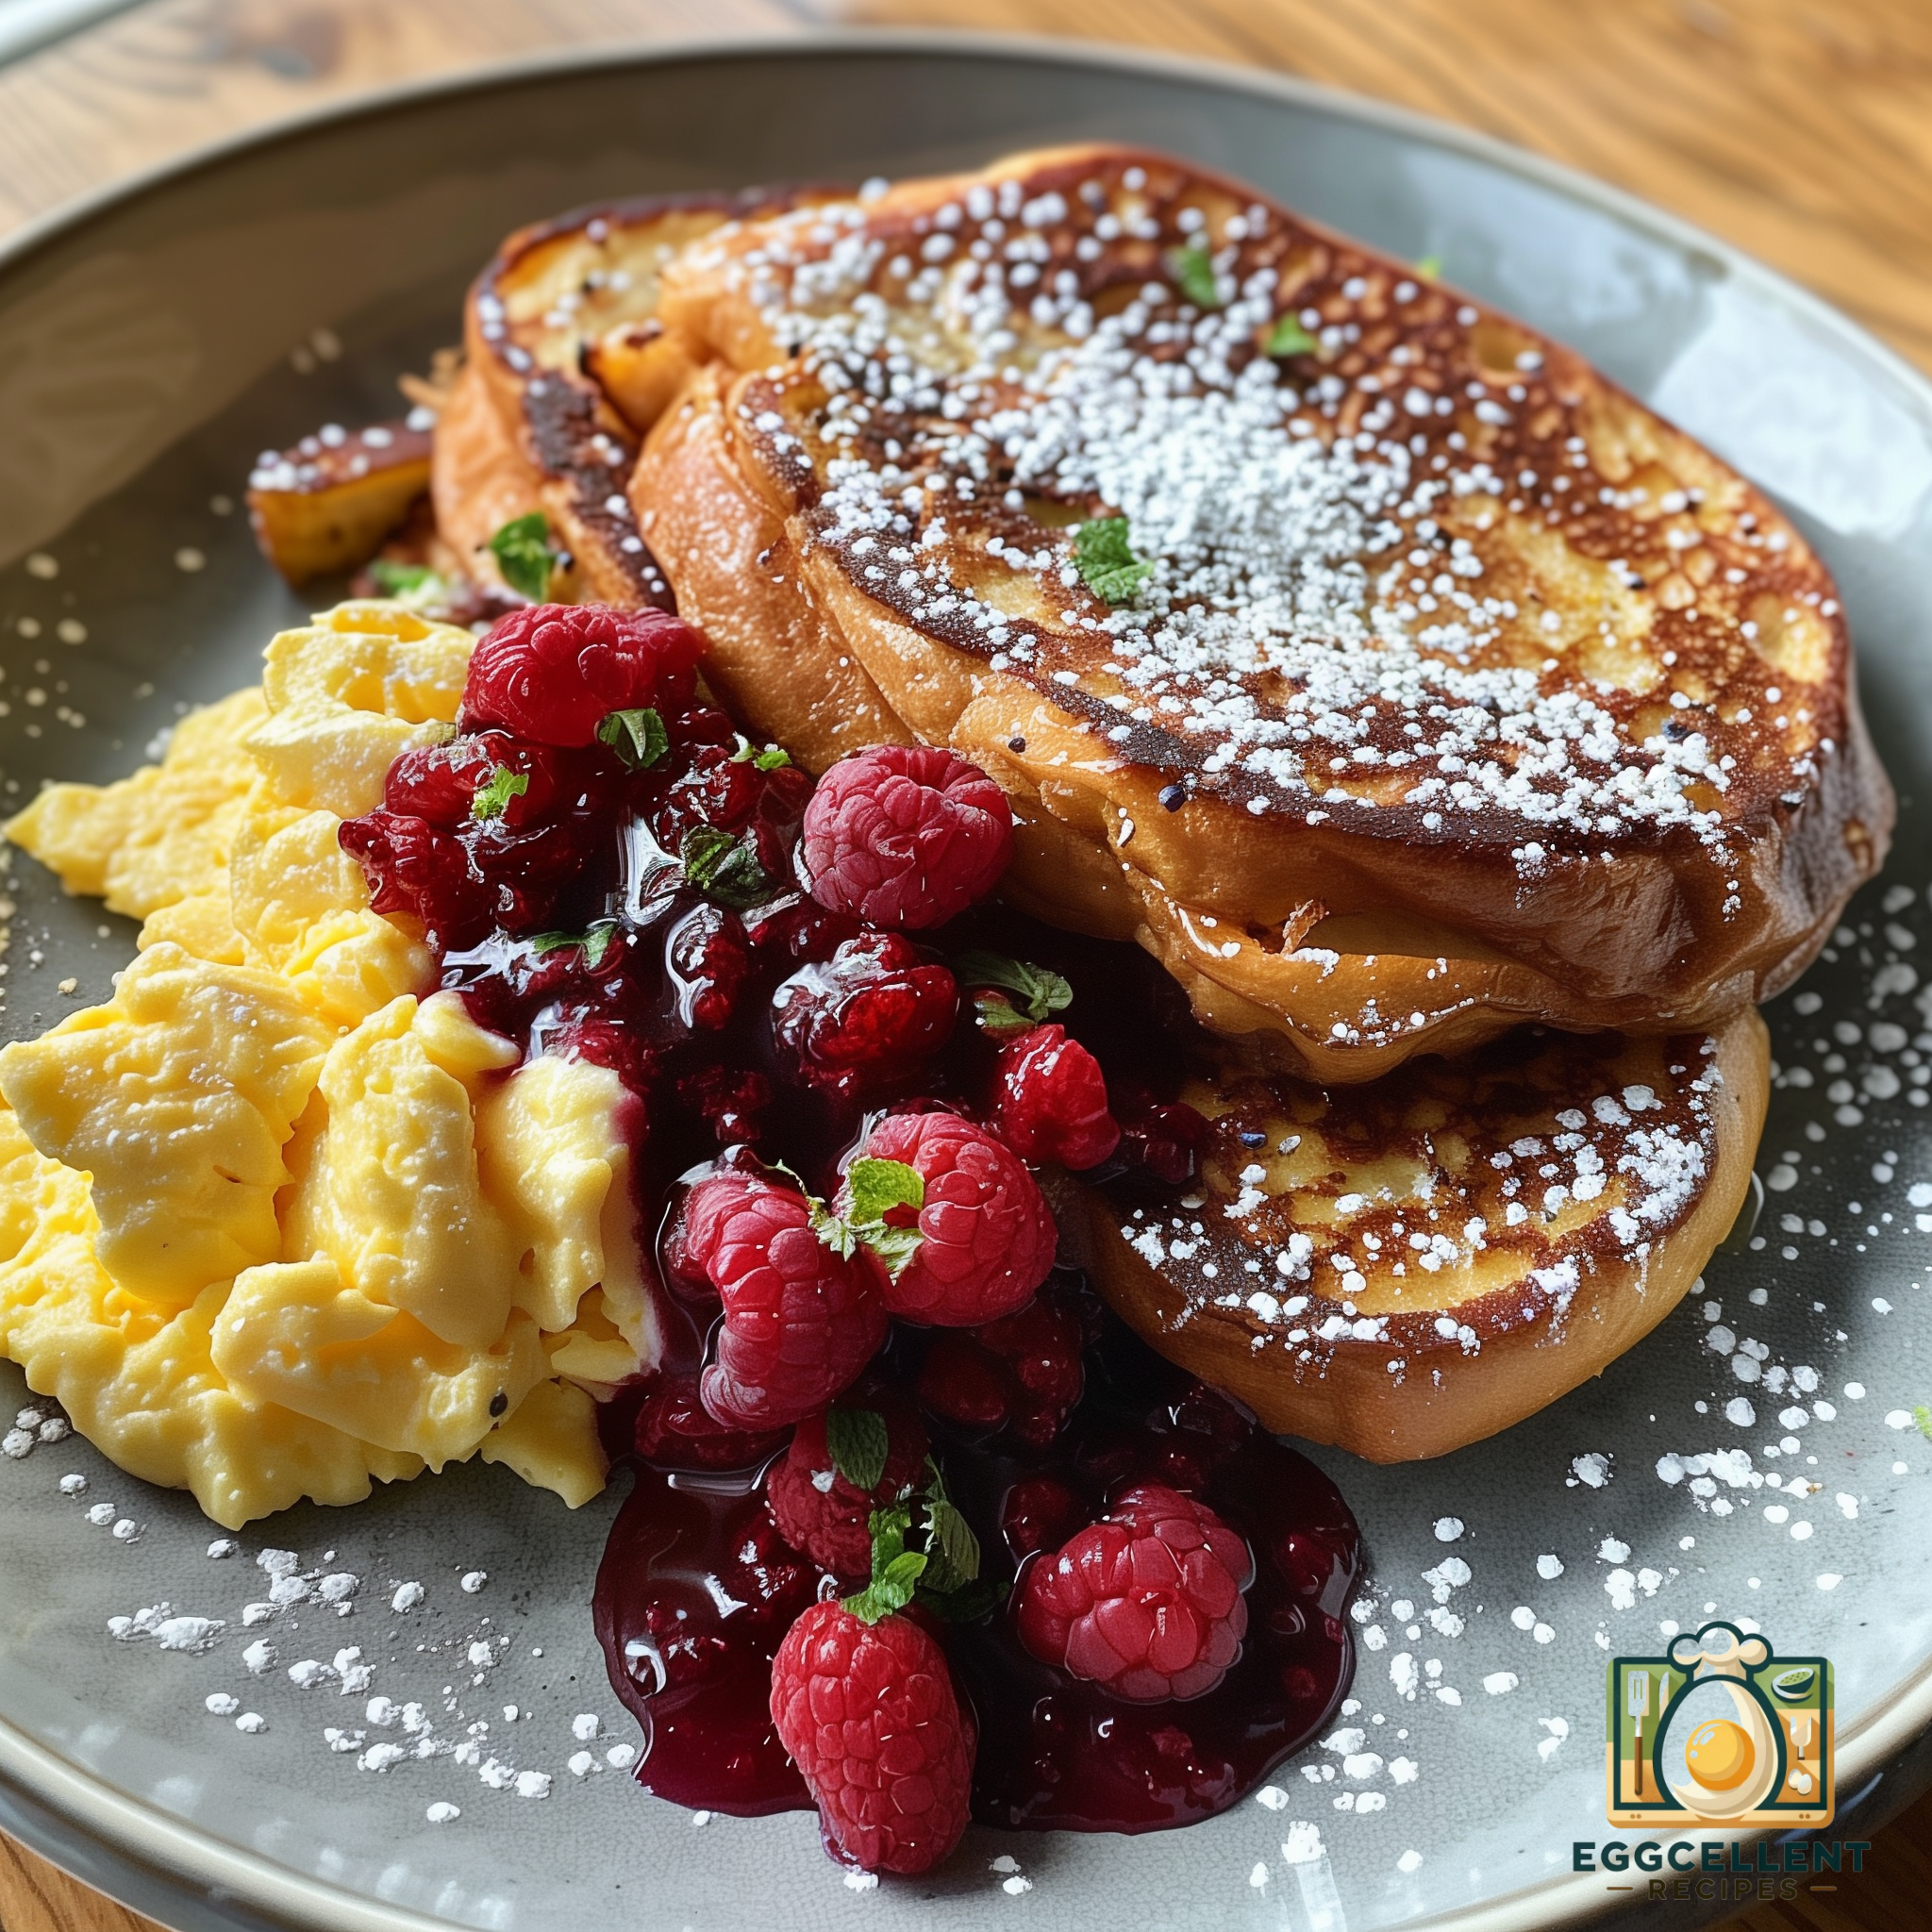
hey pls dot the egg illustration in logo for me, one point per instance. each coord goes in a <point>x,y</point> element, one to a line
<point>1720,1754</point>
<point>1719,1749</point>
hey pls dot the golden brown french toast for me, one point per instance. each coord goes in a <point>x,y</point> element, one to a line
<point>325,506</point>
<point>565,366</point>
<point>1405,1267</point>
<point>1388,671</point>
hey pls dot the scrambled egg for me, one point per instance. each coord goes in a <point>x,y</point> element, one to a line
<point>279,1220</point>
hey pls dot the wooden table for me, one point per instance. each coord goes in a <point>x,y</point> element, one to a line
<point>1800,129</point>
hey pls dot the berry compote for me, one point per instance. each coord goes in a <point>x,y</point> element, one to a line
<point>697,1590</point>
<point>625,885</point>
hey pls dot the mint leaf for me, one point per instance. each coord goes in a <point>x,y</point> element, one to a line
<point>769,760</point>
<point>1922,1420</point>
<point>998,1018</point>
<point>724,868</point>
<point>1037,993</point>
<point>595,943</point>
<point>397,579</point>
<point>1289,338</point>
<point>952,1550</point>
<point>1106,559</point>
<point>1193,269</point>
<point>968,1603</point>
<point>1431,268</point>
<point>878,1186</point>
<point>859,1443</point>
<point>492,797</point>
<point>522,553</point>
<point>839,1236</point>
<point>887,1196</point>
<point>896,1570</point>
<point>639,736</point>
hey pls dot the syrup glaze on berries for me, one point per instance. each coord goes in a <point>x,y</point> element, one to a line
<point>604,869</point>
<point>1055,1752</point>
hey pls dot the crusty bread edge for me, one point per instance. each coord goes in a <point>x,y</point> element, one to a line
<point>1444,1397</point>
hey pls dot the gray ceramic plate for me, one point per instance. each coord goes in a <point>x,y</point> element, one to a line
<point>149,344</point>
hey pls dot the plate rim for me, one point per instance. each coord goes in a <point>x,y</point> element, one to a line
<point>161,1851</point>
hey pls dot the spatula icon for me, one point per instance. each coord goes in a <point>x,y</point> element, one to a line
<point>1637,1692</point>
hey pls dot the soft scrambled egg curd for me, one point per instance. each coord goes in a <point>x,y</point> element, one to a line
<point>279,1220</point>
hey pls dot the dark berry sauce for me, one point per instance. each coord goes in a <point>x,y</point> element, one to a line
<point>640,909</point>
<point>697,1589</point>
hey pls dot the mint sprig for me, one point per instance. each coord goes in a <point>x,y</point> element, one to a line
<point>763,759</point>
<point>1289,338</point>
<point>859,1442</point>
<point>896,1570</point>
<point>944,1575</point>
<point>1922,1420</point>
<point>595,943</point>
<point>952,1551</point>
<point>1193,269</point>
<point>491,798</point>
<point>1106,559</point>
<point>394,578</point>
<point>724,868</point>
<point>638,737</point>
<point>886,1197</point>
<point>1037,993</point>
<point>523,555</point>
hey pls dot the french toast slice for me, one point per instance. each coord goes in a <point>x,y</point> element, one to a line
<point>565,366</point>
<point>325,506</point>
<point>1295,598</point>
<point>1406,1267</point>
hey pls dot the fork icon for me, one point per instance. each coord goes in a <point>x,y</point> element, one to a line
<point>1637,1695</point>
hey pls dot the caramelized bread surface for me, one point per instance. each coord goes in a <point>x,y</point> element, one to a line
<point>325,506</point>
<point>1437,684</point>
<point>1406,1267</point>
<point>565,366</point>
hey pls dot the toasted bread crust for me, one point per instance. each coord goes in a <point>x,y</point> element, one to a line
<point>1673,590</point>
<point>1397,1366</point>
<point>324,506</point>
<point>565,366</point>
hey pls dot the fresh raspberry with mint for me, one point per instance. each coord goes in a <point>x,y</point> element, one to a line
<point>559,672</point>
<point>1148,1601</point>
<point>865,1452</point>
<point>1050,1098</point>
<point>801,1321</point>
<point>905,836</point>
<point>985,1236</point>
<point>864,1703</point>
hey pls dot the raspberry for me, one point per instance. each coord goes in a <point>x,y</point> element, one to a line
<point>1051,1101</point>
<point>800,1322</point>
<point>555,672</point>
<point>707,961</point>
<point>799,930</point>
<point>1022,1371</point>
<point>441,782</point>
<point>731,1100</point>
<point>823,1513</point>
<point>674,1431</point>
<point>870,1717</point>
<point>989,1234</point>
<point>1164,1141</point>
<point>1147,1601</point>
<point>905,836</point>
<point>413,867</point>
<point>868,1017</point>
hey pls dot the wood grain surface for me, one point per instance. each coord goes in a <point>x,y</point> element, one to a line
<point>1800,129</point>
